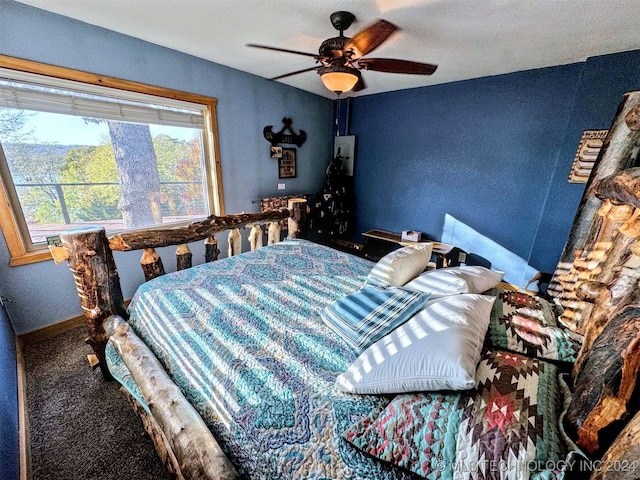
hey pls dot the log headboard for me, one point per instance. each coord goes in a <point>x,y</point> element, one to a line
<point>604,228</point>
<point>597,284</point>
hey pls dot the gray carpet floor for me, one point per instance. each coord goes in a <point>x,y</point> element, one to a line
<point>81,426</point>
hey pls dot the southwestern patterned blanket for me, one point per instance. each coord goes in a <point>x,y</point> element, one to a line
<point>243,339</point>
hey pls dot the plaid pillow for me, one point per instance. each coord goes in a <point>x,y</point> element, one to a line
<point>364,317</point>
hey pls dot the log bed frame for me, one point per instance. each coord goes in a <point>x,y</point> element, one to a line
<point>597,281</point>
<point>183,441</point>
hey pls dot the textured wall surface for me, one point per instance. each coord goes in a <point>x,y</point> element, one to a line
<point>494,152</point>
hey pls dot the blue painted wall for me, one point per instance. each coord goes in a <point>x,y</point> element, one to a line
<point>9,453</point>
<point>493,152</point>
<point>45,294</point>
<point>481,150</point>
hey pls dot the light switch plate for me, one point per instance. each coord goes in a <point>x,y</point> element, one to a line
<point>281,186</point>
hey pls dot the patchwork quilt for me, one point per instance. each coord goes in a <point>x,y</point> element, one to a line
<point>504,429</point>
<point>243,339</point>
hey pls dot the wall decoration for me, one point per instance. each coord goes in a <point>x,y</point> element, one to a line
<point>281,137</point>
<point>586,154</point>
<point>287,163</point>
<point>345,147</point>
<point>276,152</point>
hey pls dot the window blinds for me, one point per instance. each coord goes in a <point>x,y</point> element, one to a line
<point>27,91</point>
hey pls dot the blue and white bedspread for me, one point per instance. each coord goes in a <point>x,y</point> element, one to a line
<point>243,339</point>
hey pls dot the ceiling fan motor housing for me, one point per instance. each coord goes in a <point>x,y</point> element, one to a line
<point>332,47</point>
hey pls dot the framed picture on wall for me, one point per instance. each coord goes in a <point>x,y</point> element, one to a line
<point>287,163</point>
<point>276,151</point>
<point>345,146</point>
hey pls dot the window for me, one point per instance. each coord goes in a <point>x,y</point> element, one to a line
<point>79,149</point>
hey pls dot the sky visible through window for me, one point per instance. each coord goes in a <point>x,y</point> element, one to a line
<point>72,130</point>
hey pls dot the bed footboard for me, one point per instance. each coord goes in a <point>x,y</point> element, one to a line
<point>90,256</point>
<point>188,438</point>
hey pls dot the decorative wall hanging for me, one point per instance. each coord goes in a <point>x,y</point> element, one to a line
<point>287,163</point>
<point>586,154</point>
<point>282,137</point>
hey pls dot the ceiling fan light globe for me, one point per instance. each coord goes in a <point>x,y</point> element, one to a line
<point>339,80</point>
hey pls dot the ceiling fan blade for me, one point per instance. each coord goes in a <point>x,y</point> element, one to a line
<point>391,65</point>
<point>295,73</point>
<point>286,50</point>
<point>370,38</point>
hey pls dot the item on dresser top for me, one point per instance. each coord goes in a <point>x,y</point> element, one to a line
<point>410,236</point>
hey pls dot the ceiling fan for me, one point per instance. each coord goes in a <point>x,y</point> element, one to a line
<point>341,59</point>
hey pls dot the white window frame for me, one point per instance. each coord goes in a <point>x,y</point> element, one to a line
<point>21,249</point>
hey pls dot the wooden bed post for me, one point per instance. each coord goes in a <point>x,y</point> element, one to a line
<point>97,281</point>
<point>183,256</point>
<point>211,250</point>
<point>151,264</point>
<point>298,227</point>
<point>185,433</point>
<point>624,452</point>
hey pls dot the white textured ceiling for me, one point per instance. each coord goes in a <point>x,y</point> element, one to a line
<point>466,38</point>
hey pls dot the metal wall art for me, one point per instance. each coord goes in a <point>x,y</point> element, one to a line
<point>282,137</point>
<point>586,154</point>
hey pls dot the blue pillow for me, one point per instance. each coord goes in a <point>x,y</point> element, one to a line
<point>364,317</point>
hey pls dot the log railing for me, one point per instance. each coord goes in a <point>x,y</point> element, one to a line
<point>90,256</point>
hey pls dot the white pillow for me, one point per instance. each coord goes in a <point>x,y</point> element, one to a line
<point>438,349</point>
<point>400,266</point>
<point>454,280</point>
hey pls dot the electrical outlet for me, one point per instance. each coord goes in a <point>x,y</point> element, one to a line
<point>281,186</point>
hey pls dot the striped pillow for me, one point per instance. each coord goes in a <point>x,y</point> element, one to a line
<point>364,317</point>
